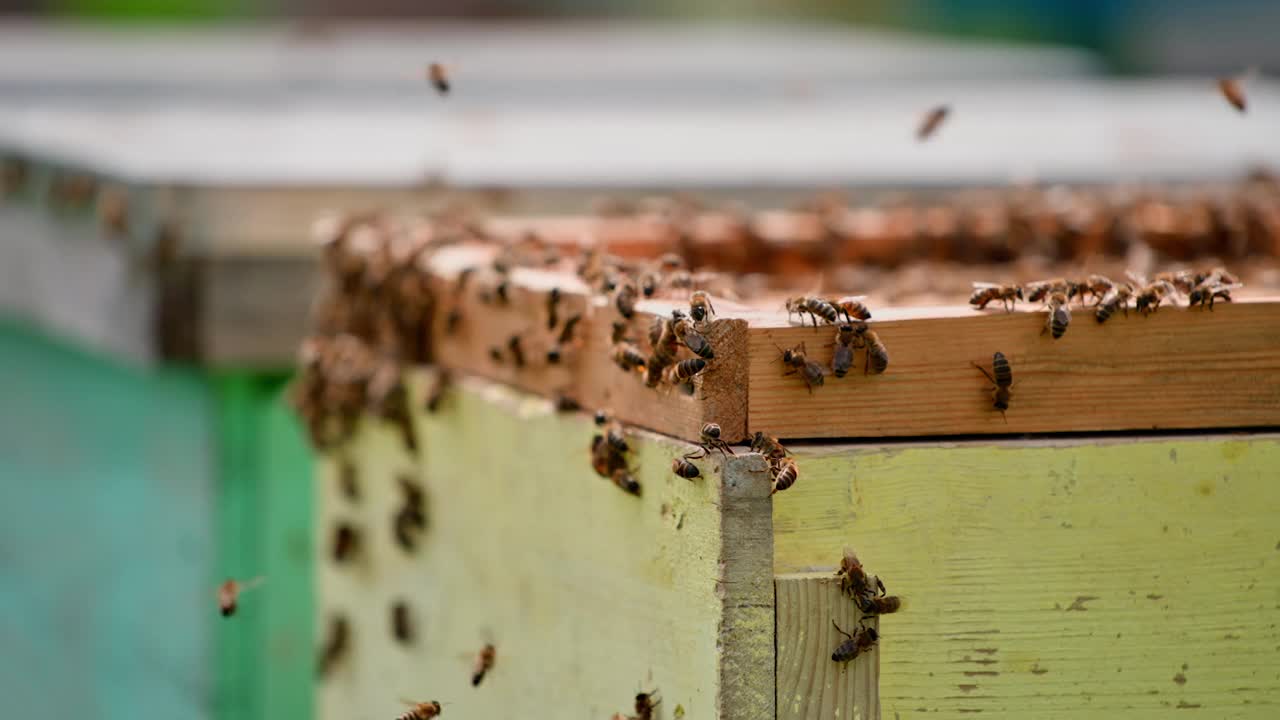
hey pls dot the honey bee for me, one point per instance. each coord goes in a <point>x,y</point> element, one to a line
<point>439,77</point>
<point>854,580</point>
<point>785,473</point>
<point>649,284</point>
<point>495,354</point>
<point>623,479</point>
<point>816,307</point>
<point>412,517</point>
<point>842,358</point>
<point>663,339</point>
<point>625,299</point>
<point>1001,377</point>
<point>484,663</point>
<point>553,305</point>
<point>879,604</point>
<point>1117,298</point>
<point>852,307</point>
<point>422,711</point>
<point>1232,89</point>
<point>1183,280</point>
<point>1059,316</point>
<point>684,371</point>
<point>861,641</point>
<point>346,542</point>
<point>1097,286</point>
<point>985,293</point>
<point>700,307</point>
<point>452,320</point>
<point>613,433</point>
<point>1041,290</point>
<point>564,403</point>
<point>628,357</point>
<point>799,362</point>
<point>401,622</point>
<point>710,437</point>
<point>566,333</point>
<point>654,372</point>
<point>931,122</point>
<point>619,333</point>
<point>645,704</point>
<point>692,339</point>
<point>436,395</point>
<point>229,593</point>
<point>768,446</point>
<point>1210,290</point>
<point>335,645</point>
<point>1149,296</point>
<point>516,350</point>
<point>1216,274</point>
<point>682,467</point>
<point>877,353</point>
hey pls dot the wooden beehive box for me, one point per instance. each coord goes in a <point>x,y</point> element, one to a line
<point>1064,559</point>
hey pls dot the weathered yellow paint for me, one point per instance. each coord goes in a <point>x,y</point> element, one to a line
<point>1124,578</point>
<point>590,594</point>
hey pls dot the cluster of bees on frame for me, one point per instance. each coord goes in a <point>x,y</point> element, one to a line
<point>849,315</point>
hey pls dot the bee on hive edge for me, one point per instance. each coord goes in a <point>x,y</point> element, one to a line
<point>879,605</point>
<point>768,446</point>
<point>785,474</point>
<point>613,431</point>
<point>986,293</point>
<point>852,308</point>
<point>842,357</point>
<point>700,307</point>
<point>931,121</point>
<point>421,711</point>
<point>854,580</point>
<point>1148,297</point>
<point>484,663</point>
<point>624,479</point>
<point>1117,298</point>
<point>710,439</point>
<point>1210,290</point>
<point>401,622</point>
<point>646,702</point>
<point>1039,291</point>
<point>1001,377</point>
<point>346,541</point>
<point>439,77</point>
<point>692,339</point>
<point>335,646</point>
<point>684,371</point>
<point>863,639</point>
<point>877,353</point>
<point>1059,315</point>
<point>229,594</point>
<point>798,361</point>
<point>816,308</point>
<point>682,467</point>
<point>1097,286</point>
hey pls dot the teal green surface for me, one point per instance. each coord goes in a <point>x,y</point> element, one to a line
<point>126,494</point>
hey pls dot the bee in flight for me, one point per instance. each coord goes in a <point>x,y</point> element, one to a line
<point>229,594</point>
<point>932,121</point>
<point>439,77</point>
<point>421,710</point>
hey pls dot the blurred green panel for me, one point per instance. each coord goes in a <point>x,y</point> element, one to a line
<point>160,9</point>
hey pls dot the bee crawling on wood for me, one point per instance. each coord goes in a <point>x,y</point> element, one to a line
<point>1149,295</point>
<point>852,308</point>
<point>986,293</point>
<point>877,353</point>
<point>1059,315</point>
<point>842,357</point>
<point>1097,287</point>
<point>1117,298</point>
<point>683,467</point>
<point>798,361</point>
<point>646,703</point>
<point>624,299</point>
<point>421,710</point>
<point>684,331</point>
<point>628,357</point>
<point>439,77</point>
<point>684,371</point>
<point>1183,280</point>
<point>613,432</point>
<point>769,447</point>
<point>1001,377</point>
<point>700,307</point>
<point>854,580</point>
<point>663,339</point>
<point>816,308</point>
<point>862,640</point>
<point>1041,290</point>
<point>623,478</point>
<point>515,347</point>
<point>879,604</point>
<point>229,593</point>
<point>484,663</point>
<point>710,439</point>
<point>1210,290</point>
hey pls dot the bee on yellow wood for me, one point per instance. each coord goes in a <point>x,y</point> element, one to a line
<point>1001,377</point>
<point>1041,290</point>
<point>439,77</point>
<point>710,439</point>
<point>863,639</point>
<point>346,542</point>
<point>613,431</point>
<point>229,594</point>
<point>335,644</point>
<point>879,604</point>
<point>626,481</point>
<point>785,473</point>
<point>931,122</point>
<point>682,467</point>
<point>798,360</point>
<point>854,580</point>
<point>768,446</point>
<point>986,293</point>
<point>646,703</point>
<point>402,622</point>
<point>421,711</point>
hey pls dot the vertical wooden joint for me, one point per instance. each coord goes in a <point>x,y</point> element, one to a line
<point>746,633</point>
<point>810,684</point>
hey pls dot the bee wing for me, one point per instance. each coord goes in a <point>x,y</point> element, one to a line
<point>1232,286</point>
<point>985,285</point>
<point>1137,278</point>
<point>853,298</point>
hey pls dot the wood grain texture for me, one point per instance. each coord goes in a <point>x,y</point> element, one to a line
<point>587,373</point>
<point>1064,579</point>
<point>1179,368</point>
<point>589,594</point>
<point>810,685</point>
